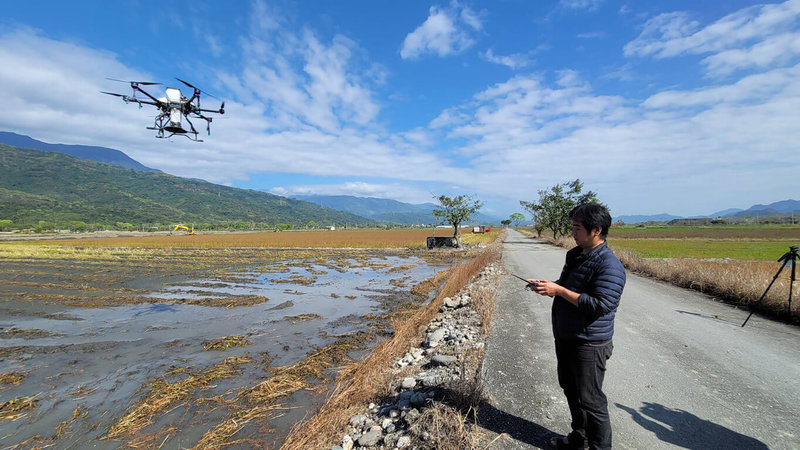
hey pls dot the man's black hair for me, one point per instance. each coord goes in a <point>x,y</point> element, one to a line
<point>591,216</point>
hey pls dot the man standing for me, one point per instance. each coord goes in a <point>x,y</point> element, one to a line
<point>585,302</point>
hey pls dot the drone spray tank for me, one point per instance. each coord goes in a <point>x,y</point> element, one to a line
<point>175,104</point>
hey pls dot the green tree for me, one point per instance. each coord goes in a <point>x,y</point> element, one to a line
<point>505,222</point>
<point>311,224</point>
<point>76,225</point>
<point>456,210</point>
<point>517,218</point>
<point>552,210</point>
<point>5,224</point>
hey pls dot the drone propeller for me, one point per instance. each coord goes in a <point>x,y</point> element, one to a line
<point>197,90</point>
<point>143,83</point>
<point>111,93</point>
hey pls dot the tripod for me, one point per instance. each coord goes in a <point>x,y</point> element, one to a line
<point>789,257</point>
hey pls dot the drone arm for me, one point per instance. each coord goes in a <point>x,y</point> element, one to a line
<point>157,102</point>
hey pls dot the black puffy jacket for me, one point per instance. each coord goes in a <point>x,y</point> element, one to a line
<point>599,277</point>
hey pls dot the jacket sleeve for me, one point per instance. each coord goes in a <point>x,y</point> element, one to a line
<point>605,290</point>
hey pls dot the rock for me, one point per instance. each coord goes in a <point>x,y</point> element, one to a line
<point>386,422</point>
<point>432,380</point>
<point>337,447</point>
<point>443,360</point>
<point>390,440</point>
<point>409,383</point>
<point>403,442</point>
<point>347,442</point>
<point>358,420</point>
<point>451,303</point>
<point>412,415</point>
<point>436,337</point>
<point>416,353</point>
<point>369,438</point>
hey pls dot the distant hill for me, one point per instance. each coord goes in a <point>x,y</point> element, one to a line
<point>631,219</point>
<point>776,208</point>
<point>386,210</point>
<point>783,207</point>
<point>37,185</point>
<point>725,212</point>
<point>99,154</point>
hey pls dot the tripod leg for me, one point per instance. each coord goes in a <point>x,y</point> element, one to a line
<point>791,285</point>
<point>765,293</point>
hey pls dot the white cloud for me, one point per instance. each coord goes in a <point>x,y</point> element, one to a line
<point>445,32</point>
<point>756,36</point>
<point>514,61</point>
<point>590,5</point>
<point>592,35</point>
<point>524,135</point>
<point>394,191</point>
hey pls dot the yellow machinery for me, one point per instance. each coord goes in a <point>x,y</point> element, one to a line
<point>184,228</point>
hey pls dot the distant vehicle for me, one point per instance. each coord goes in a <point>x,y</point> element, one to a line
<point>184,228</point>
<point>173,108</point>
<point>479,229</point>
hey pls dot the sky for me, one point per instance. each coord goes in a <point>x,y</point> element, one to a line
<point>680,107</point>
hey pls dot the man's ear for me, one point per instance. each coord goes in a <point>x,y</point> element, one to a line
<point>596,231</point>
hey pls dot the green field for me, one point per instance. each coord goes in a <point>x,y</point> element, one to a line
<point>761,250</point>
<point>748,242</point>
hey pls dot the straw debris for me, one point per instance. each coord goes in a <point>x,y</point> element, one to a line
<point>164,394</point>
<point>226,342</point>
<point>17,408</point>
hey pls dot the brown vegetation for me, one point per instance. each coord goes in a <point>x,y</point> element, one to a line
<point>405,238</point>
<point>16,408</point>
<point>370,378</point>
<point>164,394</point>
<point>737,282</point>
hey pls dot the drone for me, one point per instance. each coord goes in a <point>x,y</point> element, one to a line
<point>173,108</point>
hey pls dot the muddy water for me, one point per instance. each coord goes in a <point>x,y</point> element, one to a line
<point>87,367</point>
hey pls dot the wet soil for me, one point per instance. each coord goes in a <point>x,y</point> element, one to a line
<point>88,335</point>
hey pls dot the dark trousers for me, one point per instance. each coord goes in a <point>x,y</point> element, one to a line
<point>581,369</point>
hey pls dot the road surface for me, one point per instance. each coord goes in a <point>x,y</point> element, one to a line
<point>684,373</point>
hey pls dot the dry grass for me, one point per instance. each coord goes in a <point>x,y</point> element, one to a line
<point>371,377</point>
<point>259,402</point>
<point>406,238</point>
<point>445,428</point>
<point>14,378</point>
<point>226,342</point>
<point>16,408</point>
<point>737,282</point>
<point>163,395</point>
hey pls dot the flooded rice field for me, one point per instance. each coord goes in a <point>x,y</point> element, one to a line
<point>175,348</point>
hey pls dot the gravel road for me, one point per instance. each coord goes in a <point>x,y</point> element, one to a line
<point>684,373</point>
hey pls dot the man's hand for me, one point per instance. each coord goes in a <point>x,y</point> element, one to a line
<point>544,287</point>
<point>551,289</point>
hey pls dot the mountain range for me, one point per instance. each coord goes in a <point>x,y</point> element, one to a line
<point>389,211</point>
<point>48,186</point>
<point>22,188</point>
<point>783,207</point>
<point>92,153</point>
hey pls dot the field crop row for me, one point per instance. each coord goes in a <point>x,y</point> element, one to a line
<point>287,239</point>
<point>763,232</point>
<point>405,238</point>
<point>762,250</point>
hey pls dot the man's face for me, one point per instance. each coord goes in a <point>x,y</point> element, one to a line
<point>583,237</point>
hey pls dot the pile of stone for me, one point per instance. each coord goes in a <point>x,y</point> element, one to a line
<point>437,362</point>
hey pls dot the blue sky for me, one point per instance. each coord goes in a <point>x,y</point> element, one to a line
<point>683,107</point>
